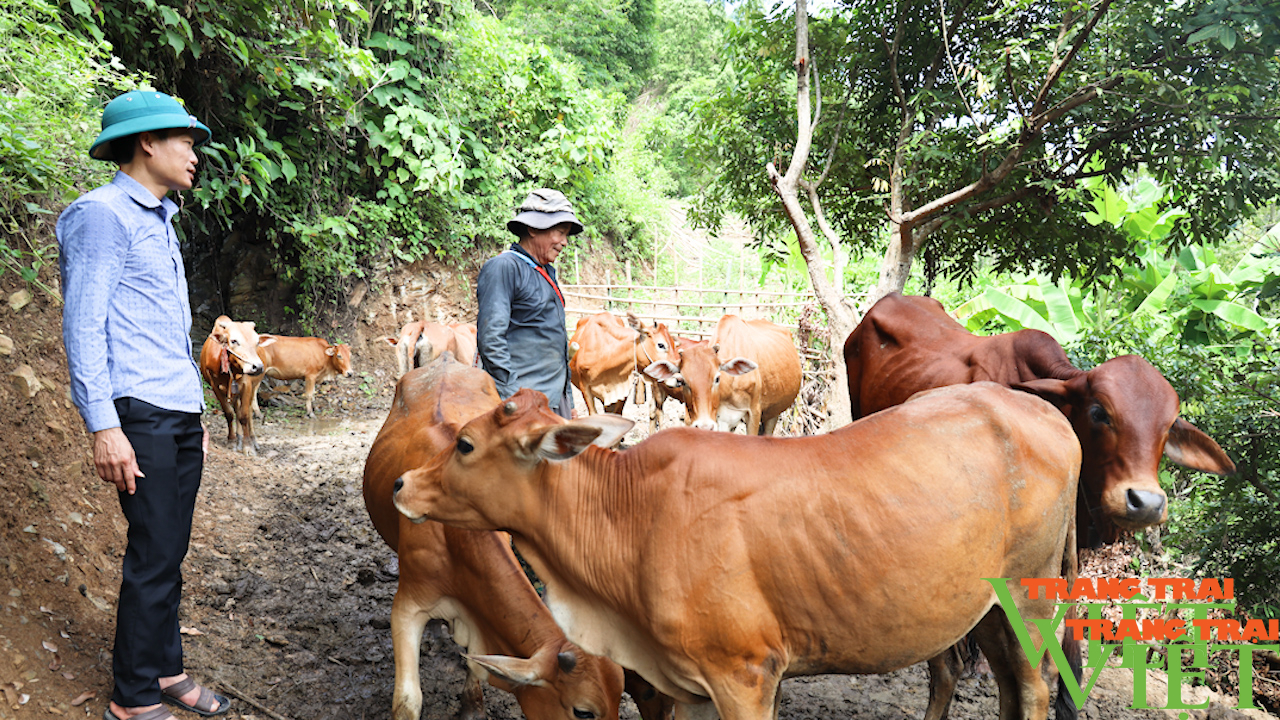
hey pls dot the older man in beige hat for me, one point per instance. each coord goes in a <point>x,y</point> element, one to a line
<point>522,341</point>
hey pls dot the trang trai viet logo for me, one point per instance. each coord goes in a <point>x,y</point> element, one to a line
<point>1184,628</point>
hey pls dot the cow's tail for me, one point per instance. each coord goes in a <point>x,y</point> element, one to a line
<point>1064,707</point>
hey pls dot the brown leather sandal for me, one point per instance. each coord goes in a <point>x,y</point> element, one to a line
<point>204,703</point>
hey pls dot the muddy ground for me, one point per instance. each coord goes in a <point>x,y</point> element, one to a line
<point>289,588</point>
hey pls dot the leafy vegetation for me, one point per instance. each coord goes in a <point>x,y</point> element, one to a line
<point>969,131</point>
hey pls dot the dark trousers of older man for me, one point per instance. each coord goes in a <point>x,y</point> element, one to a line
<point>148,642</point>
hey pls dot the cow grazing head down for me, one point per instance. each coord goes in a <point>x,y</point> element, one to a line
<point>240,342</point>
<point>509,442</point>
<point>534,682</point>
<point>696,380</point>
<point>1126,414</point>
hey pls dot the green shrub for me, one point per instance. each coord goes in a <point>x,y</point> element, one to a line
<point>52,88</point>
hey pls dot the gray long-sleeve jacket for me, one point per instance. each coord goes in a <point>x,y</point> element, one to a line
<point>522,341</point>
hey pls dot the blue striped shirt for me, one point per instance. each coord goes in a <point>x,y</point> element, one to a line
<point>126,321</point>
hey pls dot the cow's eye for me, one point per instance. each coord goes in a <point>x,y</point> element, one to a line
<point>716,381</point>
<point>583,714</point>
<point>1099,415</point>
<point>465,446</point>
<point>662,346</point>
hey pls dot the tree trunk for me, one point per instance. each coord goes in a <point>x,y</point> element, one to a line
<point>839,319</point>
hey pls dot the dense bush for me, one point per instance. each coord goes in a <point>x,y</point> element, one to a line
<point>349,137</point>
<point>52,84</point>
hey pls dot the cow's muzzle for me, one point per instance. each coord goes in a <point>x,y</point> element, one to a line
<point>1144,507</point>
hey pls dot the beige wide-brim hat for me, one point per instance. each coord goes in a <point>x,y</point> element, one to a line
<point>544,208</point>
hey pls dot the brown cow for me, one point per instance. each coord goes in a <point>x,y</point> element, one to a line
<point>228,359</point>
<point>716,565</point>
<point>1124,411</point>
<point>422,341</point>
<point>311,359</point>
<point>750,373</point>
<point>605,354</point>
<point>470,579</point>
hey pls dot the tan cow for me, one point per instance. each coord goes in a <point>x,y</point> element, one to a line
<point>311,359</point>
<point>470,579</point>
<point>749,374</point>
<point>716,565</point>
<point>228,359</point>
<point>605,353</point>
<point>422,341</point>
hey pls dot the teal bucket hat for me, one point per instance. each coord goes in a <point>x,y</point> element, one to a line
<point>140,111</point>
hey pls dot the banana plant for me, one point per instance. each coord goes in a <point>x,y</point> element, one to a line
<point>1189,294</point>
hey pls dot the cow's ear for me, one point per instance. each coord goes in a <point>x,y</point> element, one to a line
<point>513,670</point>
<point>634,323</point>
<point>1190,447</point>
<point>662,370</point>
<point>221,329</point>
<point>738,366</point>
<point>327,351</point>
<point>1055,391</point>
<point>564,441</point>
<point>265,340</point>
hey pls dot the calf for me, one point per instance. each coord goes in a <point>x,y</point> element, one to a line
<point>228,361</point>
<point>606,354</point>
<point>470,579</point>
<point>716,565</point>
<point>758,379</point>
<point>312,359</point>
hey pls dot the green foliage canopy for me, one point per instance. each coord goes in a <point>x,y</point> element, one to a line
<point>1051,93</point>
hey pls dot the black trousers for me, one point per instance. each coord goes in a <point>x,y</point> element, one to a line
<point>148,644</point>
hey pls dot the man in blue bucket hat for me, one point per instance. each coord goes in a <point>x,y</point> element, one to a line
<point>521,337</point>
<point>126,326</point>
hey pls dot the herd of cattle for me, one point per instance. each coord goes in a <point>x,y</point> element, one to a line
<point>697,570</point>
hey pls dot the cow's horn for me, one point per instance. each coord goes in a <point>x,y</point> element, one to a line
<point>568,661</point>
<point>510,408</point>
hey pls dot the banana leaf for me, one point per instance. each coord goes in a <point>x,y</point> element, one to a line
<point>1235,314</point>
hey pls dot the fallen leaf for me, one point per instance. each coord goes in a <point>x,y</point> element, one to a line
<point>49,646</point>
<point>54,710</point>
<point>69,675</point>
<point>190,631</point>
<point>83,697</point>
<point>23,699</point>
<point>55,663</point>
<point>64,634</point>
<point>45,610</point>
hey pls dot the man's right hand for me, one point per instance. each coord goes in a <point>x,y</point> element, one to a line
<point>114,459</point>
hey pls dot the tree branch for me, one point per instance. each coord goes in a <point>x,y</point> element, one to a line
<point>1056,70</point>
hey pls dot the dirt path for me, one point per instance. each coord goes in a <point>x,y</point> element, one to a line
<point>292,590</point>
